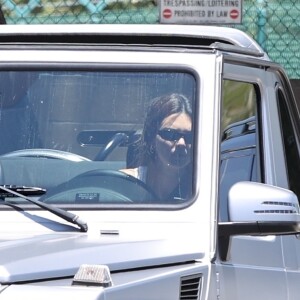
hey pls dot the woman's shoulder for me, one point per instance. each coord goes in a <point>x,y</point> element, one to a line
<point>139,172</point>
<point>132,172</point>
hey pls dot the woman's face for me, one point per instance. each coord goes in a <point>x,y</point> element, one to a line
<point>173,141</point>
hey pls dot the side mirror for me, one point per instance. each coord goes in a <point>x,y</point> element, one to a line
<point>257,202</point>
<point>258,209</point>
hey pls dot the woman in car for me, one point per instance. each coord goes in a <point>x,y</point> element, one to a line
<point>165,146</point>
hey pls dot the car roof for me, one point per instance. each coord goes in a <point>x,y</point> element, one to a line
<point>155,34</point>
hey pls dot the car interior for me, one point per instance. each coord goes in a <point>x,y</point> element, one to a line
<point>56,125</point>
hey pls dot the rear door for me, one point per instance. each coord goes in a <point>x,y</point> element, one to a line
<point>289,124</point>
<point>254,267</point>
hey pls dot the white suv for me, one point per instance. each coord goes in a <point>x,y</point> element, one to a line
<point>146,162</point>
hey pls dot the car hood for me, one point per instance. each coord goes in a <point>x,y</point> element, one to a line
<point>60,255</point>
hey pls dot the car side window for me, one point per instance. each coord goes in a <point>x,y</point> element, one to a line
<point>239,151</point>
<point>291,142</point>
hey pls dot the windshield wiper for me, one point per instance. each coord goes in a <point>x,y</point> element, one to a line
<point>23,192</point>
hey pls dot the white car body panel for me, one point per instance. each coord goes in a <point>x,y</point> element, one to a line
<point>154,252</point>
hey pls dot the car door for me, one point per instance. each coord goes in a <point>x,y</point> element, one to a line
<point>289,124</point>
<point>254,267</point>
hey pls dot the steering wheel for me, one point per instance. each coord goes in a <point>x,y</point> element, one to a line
<point>100,187</point>
<point>46,153</point>
<point>115,141</point>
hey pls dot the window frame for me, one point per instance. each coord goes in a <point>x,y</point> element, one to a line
<point>115,67</point>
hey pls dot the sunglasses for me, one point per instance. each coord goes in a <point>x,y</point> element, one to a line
<point>173,135</point>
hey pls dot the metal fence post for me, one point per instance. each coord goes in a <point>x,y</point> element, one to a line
<point>262,21</point>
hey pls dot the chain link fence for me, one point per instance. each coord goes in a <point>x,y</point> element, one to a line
<point>274,24</point>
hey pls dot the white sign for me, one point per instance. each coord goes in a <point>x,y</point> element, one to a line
<point>201,11</point>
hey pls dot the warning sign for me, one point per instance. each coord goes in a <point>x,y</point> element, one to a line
<point>201,11</point>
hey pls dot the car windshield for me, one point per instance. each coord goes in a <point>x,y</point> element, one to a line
<point>98,137</point>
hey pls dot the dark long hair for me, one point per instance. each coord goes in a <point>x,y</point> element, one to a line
<point>158,110</point>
